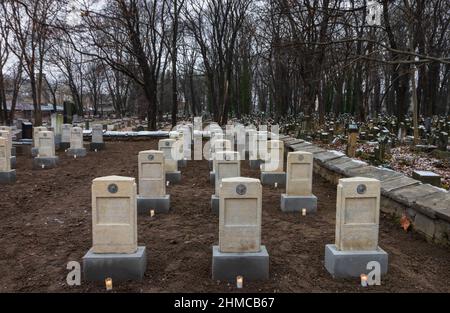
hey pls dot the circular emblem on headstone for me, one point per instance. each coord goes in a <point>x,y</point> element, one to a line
<point>113,188</point>
<point>361,189</point>
<point>151,157</point>
<point>301,157</point>
<point>241,189</point>
<point>167,144</point>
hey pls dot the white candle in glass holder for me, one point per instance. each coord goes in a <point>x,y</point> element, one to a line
<point>239,282</point>
<point>364,280</point>
<point>108,283</point>
<point>304,212</point>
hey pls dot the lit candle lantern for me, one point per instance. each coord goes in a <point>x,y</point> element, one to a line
<point>364,280</point>
<point>42,165</point>
<point>108,283</point>
<point>75,156</point>
<point>276,185</point>
<point>152,213</point>
<point>167,183</point>
<point>239,282</point>
<point>304,212</point>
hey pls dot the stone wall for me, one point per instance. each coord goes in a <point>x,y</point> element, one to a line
<point>426,206</point>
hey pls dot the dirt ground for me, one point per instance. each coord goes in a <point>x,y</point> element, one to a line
<point>45,222</point>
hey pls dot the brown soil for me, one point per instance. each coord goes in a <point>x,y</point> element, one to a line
<point>46,222</point>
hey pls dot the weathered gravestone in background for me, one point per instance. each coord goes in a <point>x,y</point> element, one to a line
<point>46,159</point>
<point>239,252</point>
<point>226,164</point>
<point>218,145</point>
<point>35,149</point>
<point>169,148</point>
<point>152,183</point>
<point>66,130</point>
<point>357,227</point>
<point>76,143</point>
<point>97,142</point>
<point>7,175</point>
<point>299,178</point>
<point>114,251</point>
<point>7,134</point>
<point>272,170</point>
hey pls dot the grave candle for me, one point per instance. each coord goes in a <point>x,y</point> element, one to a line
<point>304,212</point>
<point>363,280</point>
<point>239,282</point>
<point>152,213</point>
<point>108,283</point>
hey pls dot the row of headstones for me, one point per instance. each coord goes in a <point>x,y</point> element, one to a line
<point>44,150</point>
<point>115,253</point>
<point>239,253</point>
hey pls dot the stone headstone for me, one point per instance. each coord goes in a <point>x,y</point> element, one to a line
<point>76,138</point>
<point>427,177</point>
<point>152,182</point>
<point>97,133</point>
<point>198,123</point>
<point>114,218</point>
<point>168,147</point>
<point>357,227</point>
<point>5,155</point>
<point>240,215</point>
<point>299,173</point>
<point>226,164</point>
<point>46,144</point>
<point>274,157</point>
<point>36,130</point>
<point>66,130</point>
<point>357,214</point>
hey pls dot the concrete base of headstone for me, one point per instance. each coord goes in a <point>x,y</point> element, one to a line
<point>8,177</point>
<point>77,152</point>
<point>215,204</point>
<point>252,266</point>
<point>13,151</point>
<point>159,204</point>
<point>34,152</point>
<point>64,146</point>
<point>182,163</point>
<point>13,162</point>
<point>210,164</point>
<point>97,146</point>
<point>118,266</point>
<point>45,163</point>
<point>270,179</point>
<point>212,178</point>
<point>173,177</point>
<point>348,264</point>
<point>255,164</point>
<point>297,203</point>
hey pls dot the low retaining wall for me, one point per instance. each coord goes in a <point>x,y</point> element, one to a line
<point>426,206</point>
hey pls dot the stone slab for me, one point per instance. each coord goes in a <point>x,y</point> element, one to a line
<point>351,264</point>
<point>435,204</point>
<point>392,184</point>
<point>215,208</point>
<point>173,177</point>
<point>344,168</point>
<point>159,204</point>
<point>313,149</point>
<point>97,146</point>
<point>8,177</point>
<point>381,174</point>
<point>293,141</point>
<point>45,163</point>
<point>77,152</point>
<point>251,266</point>
<point>427,177</point>
<point>118,266</point>
<point>410,194</point>
<point>325,156</point>
<point>300,146</point>
<point>269,179</point>
<point>297,203</point>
